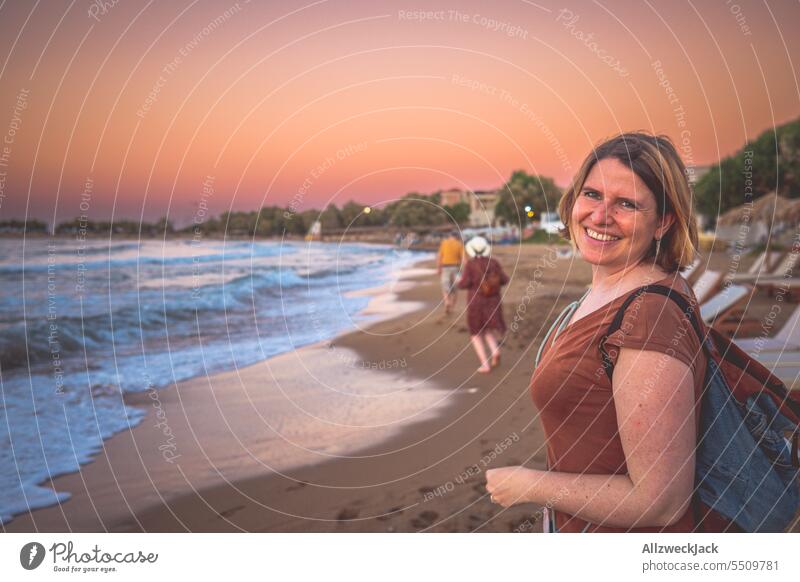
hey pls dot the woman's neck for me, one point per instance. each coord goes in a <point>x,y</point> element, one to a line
<point>605,281</point>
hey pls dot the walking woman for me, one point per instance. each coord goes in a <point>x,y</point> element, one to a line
<point>620,451</point>
<point>484,278</point>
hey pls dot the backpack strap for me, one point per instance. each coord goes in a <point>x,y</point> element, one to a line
<point>688,309</point>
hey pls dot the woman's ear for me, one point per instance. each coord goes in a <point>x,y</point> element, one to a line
<point>666,222</point>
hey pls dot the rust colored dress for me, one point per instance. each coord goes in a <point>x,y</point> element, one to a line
<point>574,394</point>
<point>483,313</point>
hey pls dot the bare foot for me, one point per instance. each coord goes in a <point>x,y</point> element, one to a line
<point>495,360</point>
<point>484,369</point>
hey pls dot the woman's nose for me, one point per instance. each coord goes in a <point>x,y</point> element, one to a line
<point>600,214</point>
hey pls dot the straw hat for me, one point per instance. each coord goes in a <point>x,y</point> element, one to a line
<point>478,247</point>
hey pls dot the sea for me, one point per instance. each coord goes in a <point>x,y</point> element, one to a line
<point>84,321</point>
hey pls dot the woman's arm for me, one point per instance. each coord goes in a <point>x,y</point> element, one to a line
<point>465,282</point>
<point>654,401</point>
<point>503,277</point>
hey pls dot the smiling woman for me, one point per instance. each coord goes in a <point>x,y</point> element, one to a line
<point>620,446</point>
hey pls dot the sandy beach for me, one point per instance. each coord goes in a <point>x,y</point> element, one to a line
<point>387,428</point>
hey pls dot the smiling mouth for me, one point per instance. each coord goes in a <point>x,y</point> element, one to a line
<point>593,234</point>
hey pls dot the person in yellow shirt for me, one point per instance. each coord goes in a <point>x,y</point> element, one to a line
<point>449,260</point>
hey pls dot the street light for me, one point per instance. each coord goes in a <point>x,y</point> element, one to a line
<point>367,210</point>
<point>528,209</point>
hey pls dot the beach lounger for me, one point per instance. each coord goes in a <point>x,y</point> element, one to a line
<point>762,268</point>
<point>786,269</point>
<point>725,311</point>
<point>789,375</point>
<point>785,365</point>
<point>692,271</point>
<point>774,258</point>
<point>788,287</point>
<point>720,305</point>
<point>707,285</point>
<point>787,338</point>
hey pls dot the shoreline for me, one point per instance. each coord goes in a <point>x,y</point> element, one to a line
<point>93,481</point>
<point>145,393</point>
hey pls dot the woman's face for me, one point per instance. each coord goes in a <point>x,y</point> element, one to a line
<point>615,217</point>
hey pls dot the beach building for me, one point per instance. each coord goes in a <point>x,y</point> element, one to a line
<point>481,208</point>
<point>551,222</point>
<point>481,204</point>
<point>453,196</point>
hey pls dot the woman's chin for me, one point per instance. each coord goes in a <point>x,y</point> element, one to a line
<point>595,256</point>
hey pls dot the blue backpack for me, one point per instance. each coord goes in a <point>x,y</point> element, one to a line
<point>747,472</point>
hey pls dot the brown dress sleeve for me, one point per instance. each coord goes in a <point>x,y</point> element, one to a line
<point>655,323</point>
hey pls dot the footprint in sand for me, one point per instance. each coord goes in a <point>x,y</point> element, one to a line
<point>393,512</point>
<point>480,488</point>
<point>296,486</point>
<point>347,513</point>
<point>424,519</point>
<point>231,511</point>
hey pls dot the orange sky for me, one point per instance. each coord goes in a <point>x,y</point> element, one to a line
<point>259,96</point>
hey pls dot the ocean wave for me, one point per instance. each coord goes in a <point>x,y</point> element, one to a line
<point>154,314</point>
<point>222,255</point>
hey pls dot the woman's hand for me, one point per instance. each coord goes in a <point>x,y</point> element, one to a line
<point>510,485</point>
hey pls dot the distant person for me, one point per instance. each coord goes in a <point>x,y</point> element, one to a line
<point>484,278</point>
<point>449,260</point>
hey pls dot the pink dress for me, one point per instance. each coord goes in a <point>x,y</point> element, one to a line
<point>483,313</point>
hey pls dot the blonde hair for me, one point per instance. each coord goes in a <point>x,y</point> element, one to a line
<point>654,159</point>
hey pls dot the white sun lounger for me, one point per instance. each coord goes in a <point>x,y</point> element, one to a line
<point>787,338</point>
<point>721,304</point>
<point>707,285</point>
<point>760,269</point>
<point>691,270</point>
<point>786,269</point>
<point>784,365</point>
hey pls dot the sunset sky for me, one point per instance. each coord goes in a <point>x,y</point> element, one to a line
<point>132,106</point>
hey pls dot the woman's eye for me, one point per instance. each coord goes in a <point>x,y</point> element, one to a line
<point>591,194</point>
<point>628,204</point>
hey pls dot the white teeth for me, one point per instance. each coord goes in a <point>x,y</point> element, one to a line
<point>597,236</point>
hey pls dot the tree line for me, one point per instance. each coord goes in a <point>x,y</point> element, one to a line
<point>768,163</point>
<point>414,210</point>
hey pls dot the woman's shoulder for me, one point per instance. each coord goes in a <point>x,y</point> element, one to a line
<point>653,320</point>
<point>659,308</point>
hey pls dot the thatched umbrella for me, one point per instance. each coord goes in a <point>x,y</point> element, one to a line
<point>768,208</point>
